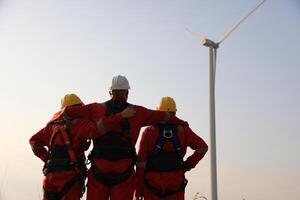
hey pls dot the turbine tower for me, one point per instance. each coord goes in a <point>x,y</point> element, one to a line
<point>213,46</point>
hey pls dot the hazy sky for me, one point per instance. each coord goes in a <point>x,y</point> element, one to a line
<point>49,48</point>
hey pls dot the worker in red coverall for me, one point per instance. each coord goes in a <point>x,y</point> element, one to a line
<point>112,175</point>
<point>160,166</point>
<point>66,140</point>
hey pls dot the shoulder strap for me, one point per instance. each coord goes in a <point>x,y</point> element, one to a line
<point>54,133</point>
<point>159,143</point>
<point>167,132</point>
<point>177,145</point>
<point>67,142</point>
<point>108,105</point>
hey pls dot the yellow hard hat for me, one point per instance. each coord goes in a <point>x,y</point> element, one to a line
<point>70,100</point>
<point>167,104</point>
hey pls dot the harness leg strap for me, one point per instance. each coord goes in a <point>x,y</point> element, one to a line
<point>111,179</point>
<point>164,194</point>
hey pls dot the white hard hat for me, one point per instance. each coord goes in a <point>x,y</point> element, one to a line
<point>119,83</point>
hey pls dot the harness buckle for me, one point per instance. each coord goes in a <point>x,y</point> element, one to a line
<point>168,133</point>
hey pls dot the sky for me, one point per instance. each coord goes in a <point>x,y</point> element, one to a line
<point>50,48</point>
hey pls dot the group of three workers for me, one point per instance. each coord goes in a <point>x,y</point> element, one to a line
<point>116,171</point>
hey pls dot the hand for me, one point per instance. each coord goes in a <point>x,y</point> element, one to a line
<point>186,166</point>
<point>128,112</point>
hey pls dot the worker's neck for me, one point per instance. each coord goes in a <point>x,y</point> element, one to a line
<point>119,98</point>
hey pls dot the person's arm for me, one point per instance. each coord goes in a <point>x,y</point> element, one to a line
<point>112,122</point>
<point>152,117</point>
<point>39,141</point>
<point>88,131</point>
<point>141,164</point>
<point>95,112</point>
<point>198,145</point>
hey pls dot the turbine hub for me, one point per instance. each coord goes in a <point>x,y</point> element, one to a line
<point>210,43</point>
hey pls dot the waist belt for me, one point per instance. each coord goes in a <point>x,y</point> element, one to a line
<point>58,195</point>
<point>52,166</point>
<point>111,179</point>
<point>167,192</point>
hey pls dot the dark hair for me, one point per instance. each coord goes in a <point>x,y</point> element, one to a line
<point>119,92</point>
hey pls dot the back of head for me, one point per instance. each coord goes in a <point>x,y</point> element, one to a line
<point>167,104</point>
<point>70,100</point>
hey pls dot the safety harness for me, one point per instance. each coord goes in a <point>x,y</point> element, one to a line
<point>114,146</point>
<point>63,158</point>
<point>161,160</point>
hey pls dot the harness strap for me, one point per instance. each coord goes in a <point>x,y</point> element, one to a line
<point>70,150</point>
<point>53,135</point>
<point>162,139</point>
<point>58,195</point>
<point>165,193</point>
<point>177,147</point>
<point>176,143</point>
<point>159,144</point>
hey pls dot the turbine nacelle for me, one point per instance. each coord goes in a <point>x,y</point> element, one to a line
<point>204,40</point>
<point>209,43</point>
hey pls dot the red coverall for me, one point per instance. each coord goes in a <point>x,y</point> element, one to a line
<point>80,131</point>
<point>167,180</point>
<point>124,190</point>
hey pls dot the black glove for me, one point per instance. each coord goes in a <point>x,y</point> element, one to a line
<point>186,166</point>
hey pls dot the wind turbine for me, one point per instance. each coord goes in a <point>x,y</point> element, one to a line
<point>213,46</point>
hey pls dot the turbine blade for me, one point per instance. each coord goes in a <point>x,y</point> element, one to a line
<point>199,36</point>
<point>239,22</point>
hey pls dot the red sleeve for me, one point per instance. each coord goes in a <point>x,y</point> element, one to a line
<point>141,163</point>
<point>152,117</point>
<point>111,122</point>
<point>39,141</point>
<point>149,117</point>
<point>198,145</point>
<point>175,120</point>
<point>89,130</point>
<point>95,112</point>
